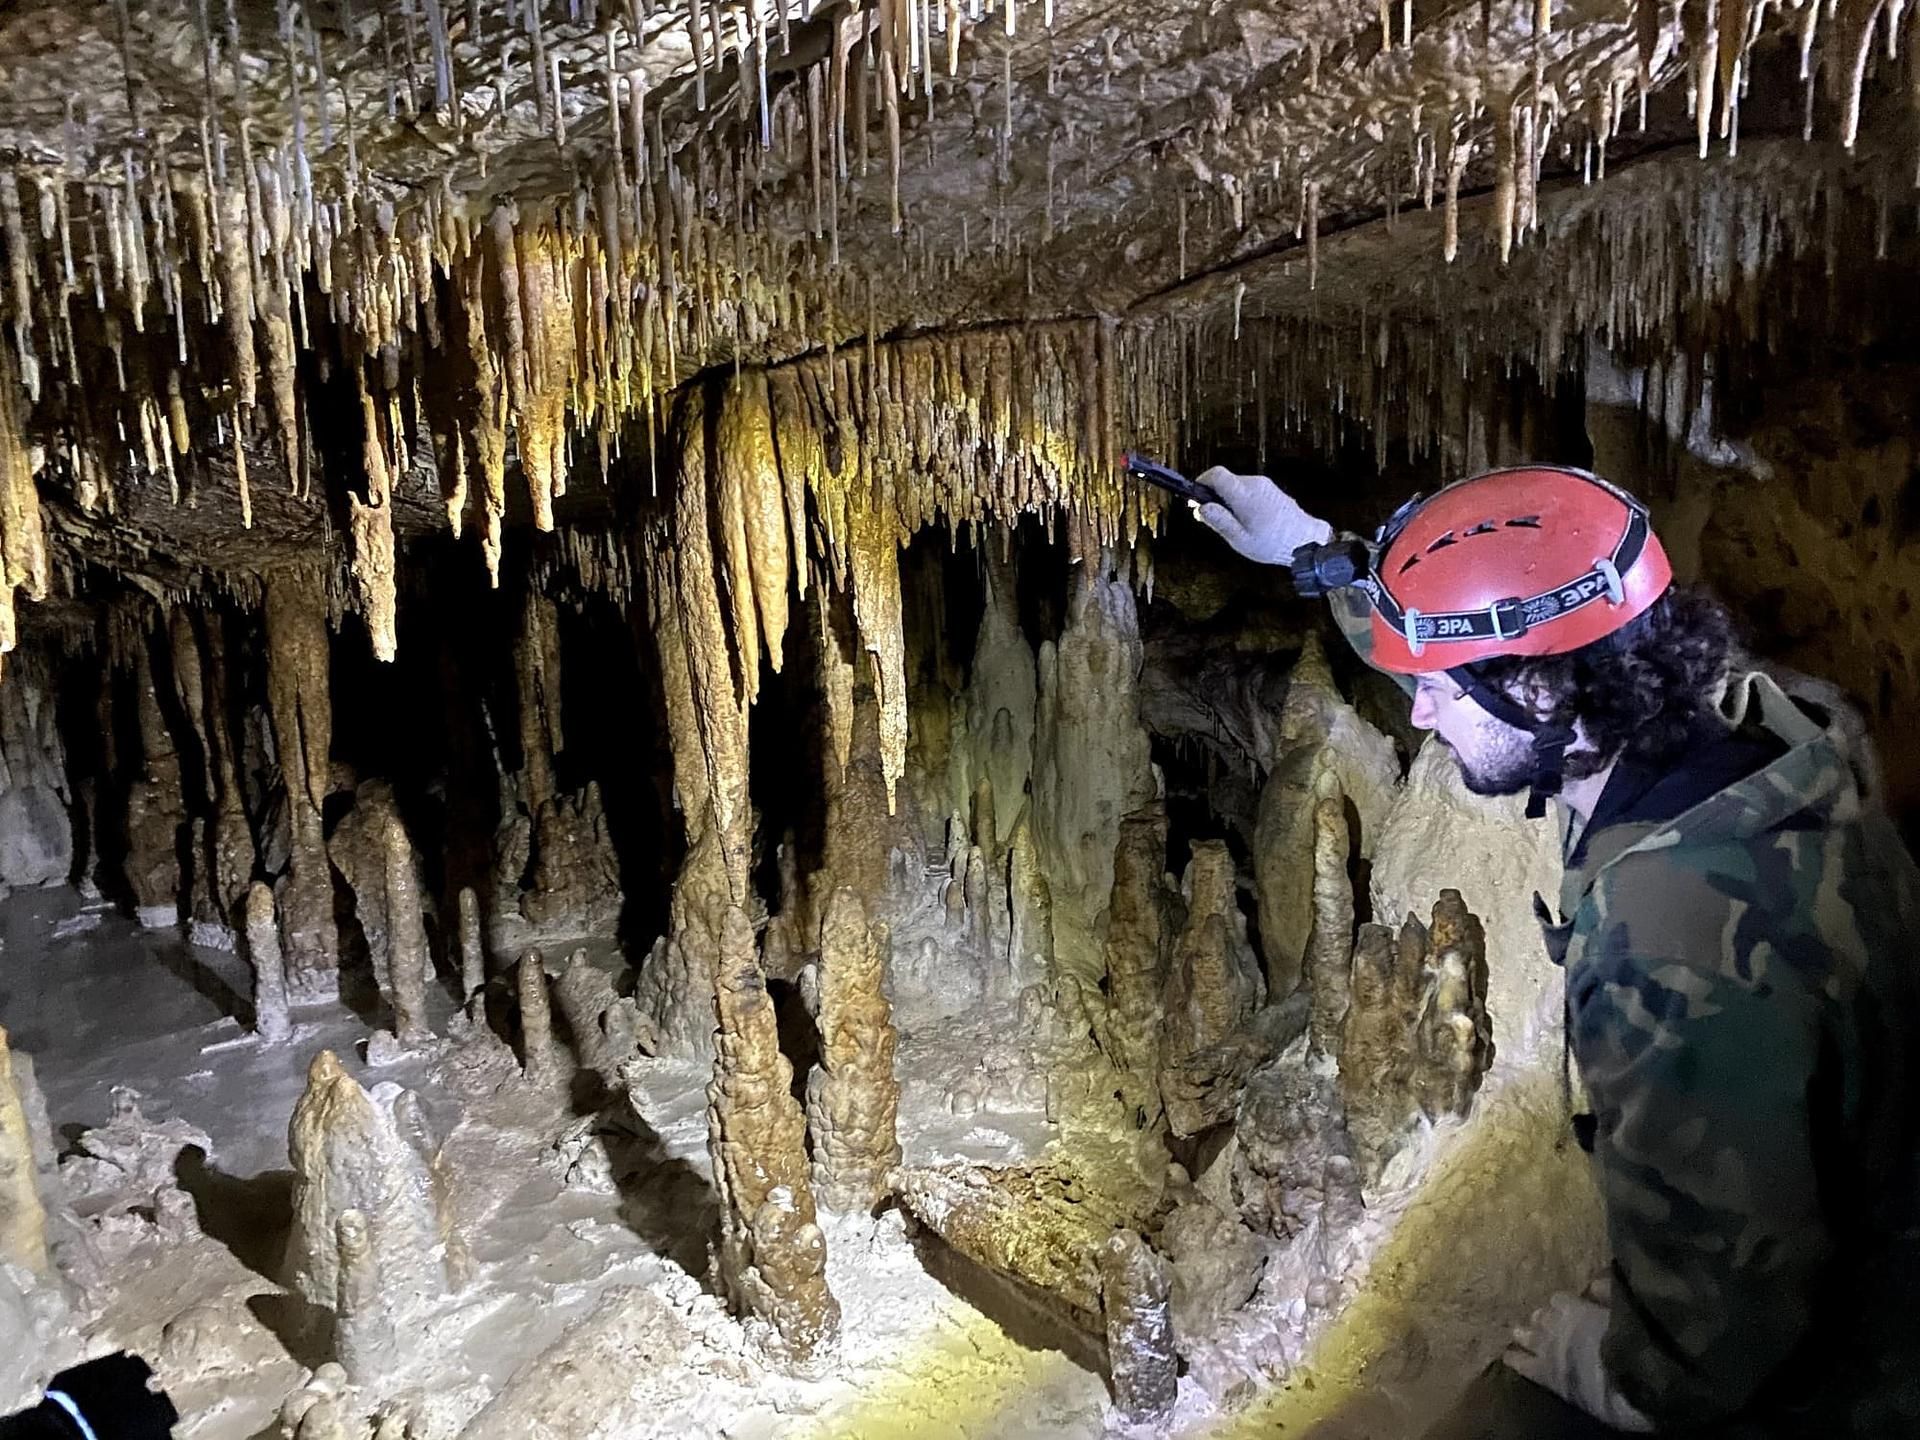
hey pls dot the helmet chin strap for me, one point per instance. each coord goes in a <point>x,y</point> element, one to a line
<point>1550,738</point>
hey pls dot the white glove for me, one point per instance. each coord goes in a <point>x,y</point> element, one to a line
<point>1258,518</point>
<point>1559,1350</point>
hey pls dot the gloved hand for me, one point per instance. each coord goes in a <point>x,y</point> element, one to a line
<point>111,1395</point>
<point>1559,1350</point>
<point>1258,518</point>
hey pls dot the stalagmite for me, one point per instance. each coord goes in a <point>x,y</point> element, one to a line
<point>852,1095</point>
<point>1135,1298</point>
<point>1213,984</point>
<point>352,1149</point>
<point>538,1058</point>
<point>23,1220</point>
<point>771,1255</point>
<point>473,951</point>
<point>1455,1038</point>
<point>363,1331</point>
<point>408,962</point>
<point>1136,961</point>
<point>270,1018</point>
<point>1330,947</point>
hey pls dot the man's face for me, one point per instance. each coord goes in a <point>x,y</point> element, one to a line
<point>1494,758</point>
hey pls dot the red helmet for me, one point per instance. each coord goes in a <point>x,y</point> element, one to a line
<point>1535,560</point>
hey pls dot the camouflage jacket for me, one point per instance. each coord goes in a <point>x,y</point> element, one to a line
<point>1743,990</point>
<point>1742,1003</point>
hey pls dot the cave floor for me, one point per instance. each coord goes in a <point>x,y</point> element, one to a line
<point>100,1003</point>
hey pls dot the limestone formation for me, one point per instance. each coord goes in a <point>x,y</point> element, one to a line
<point>1214,984</point>
<point>1323,741</point>
<point>539,1061</point>
<point>1091,763</point>
<point>363,1328</point>
<point>270,1017</point>
<point>1329,955</point>
<point>358,850</point>
<point>23,1220</point>
<point>1134,1029</point>
<point>1439,836</point>
<point>1135,1303</point>
<point>408,960</point>
<point>156,811</point>
<point>575,1386</point>
<point>1295,1161</point>
<point>853,1096</point>
<point>771,1255</point>
<point>359,1150</point>
<point>298,701</point>
<point>601,1022</point>
<point>1454,1036</point>
<point>473,950</point>
<point>1203,1088</point>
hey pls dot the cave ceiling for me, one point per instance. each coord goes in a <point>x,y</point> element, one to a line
<point>376,255</point>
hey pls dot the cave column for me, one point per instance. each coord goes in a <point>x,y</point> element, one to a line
<point>298,705</point>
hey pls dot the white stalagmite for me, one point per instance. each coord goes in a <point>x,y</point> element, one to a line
<point>270,1016</point>
<point>408,961</point>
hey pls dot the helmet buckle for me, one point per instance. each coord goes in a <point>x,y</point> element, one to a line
<point>1506,613</point>
<point>1616,591</point>
<point>1415,645</point>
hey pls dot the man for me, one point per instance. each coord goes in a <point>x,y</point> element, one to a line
<point>1738,929</point>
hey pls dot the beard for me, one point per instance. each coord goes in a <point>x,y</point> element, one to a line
<point>1504,765</point>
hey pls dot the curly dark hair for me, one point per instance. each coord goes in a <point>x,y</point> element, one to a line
<point>1640,693</point>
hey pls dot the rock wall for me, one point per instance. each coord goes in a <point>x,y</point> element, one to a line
<point>36,835</point>
<point>1802,514</point>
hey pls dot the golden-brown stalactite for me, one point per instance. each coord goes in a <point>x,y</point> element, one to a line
<point>731,482</point>
<point>873,552</point>
<point>835,679</point>
<point>488,417</point>
<point>23,545</point>
<point>720,712</point>
<point>745,445</point>
<point>797,448</point>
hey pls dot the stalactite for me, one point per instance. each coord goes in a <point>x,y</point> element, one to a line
<point>746,456</point>
<point>23,544</point>
<point>874,560</point>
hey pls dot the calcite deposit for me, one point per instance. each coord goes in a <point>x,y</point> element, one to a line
<point>628,502</point>
<point>853,1095</point>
